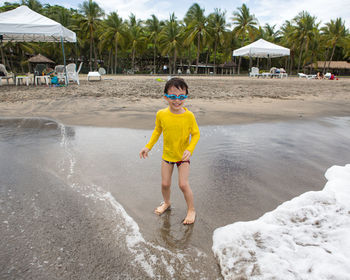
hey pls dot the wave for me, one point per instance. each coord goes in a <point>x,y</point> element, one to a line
<point>304,238</point>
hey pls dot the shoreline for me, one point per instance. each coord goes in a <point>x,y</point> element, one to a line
<point>132,101</point>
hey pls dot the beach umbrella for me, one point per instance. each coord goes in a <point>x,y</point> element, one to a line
<point>40,59</point>
<point>24,25</point>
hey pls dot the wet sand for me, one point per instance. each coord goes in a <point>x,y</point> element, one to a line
<point>131,101</point>
<point>238,172</point>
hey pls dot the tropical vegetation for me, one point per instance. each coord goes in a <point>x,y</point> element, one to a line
<point>133,45</point>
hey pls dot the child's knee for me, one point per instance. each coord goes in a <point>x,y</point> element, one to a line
<point>166,185</point>
<point>184,186</point>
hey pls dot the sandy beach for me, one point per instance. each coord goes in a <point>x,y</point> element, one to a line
<point>77,202</point>
<point>131,101</point>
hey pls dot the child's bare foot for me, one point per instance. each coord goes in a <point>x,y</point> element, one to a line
<point>190,218</point>
<point>162,208</point>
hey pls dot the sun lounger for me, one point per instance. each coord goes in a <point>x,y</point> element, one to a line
<point>302,75</point>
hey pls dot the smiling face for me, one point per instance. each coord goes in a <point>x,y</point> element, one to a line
<point>176,106</point>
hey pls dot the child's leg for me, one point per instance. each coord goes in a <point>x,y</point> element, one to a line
<point>166,171</point>
<point>184,171</point>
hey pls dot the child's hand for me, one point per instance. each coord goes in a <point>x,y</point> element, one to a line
<point>144,152</point>
<point>186,156</point>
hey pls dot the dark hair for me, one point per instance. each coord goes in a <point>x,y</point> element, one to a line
<point>176,82</point>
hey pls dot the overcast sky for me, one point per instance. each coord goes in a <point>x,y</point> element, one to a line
<point>266,11</point>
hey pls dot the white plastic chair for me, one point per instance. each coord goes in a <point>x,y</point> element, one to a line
<point>59,69</point>
<point>72,74</point>
<point>7,75</point>
<point>254,72</point>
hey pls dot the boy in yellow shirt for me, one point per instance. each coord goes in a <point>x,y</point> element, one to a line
<point>177,125</point>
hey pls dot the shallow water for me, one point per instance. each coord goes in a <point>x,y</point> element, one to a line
<point>77,201</point>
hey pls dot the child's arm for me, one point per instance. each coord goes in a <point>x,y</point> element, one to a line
<point>154,138</point>
<point>195,135</point>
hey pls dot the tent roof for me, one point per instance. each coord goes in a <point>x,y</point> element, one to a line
<point>24,25</point>
<point>262,48</point>
<point>40,59</point>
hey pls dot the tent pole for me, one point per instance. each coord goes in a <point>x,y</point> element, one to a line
<point>76,54</point>
<point>64,61</point>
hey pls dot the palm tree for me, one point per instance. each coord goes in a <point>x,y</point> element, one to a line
<point>306,28</point>
<point>270,34</point>
<point>171,39</point>
<point>154,27</point>
<point>136,37</point>
<point>217,28</point>
<point>35,5</point>
<point>92,14</point>
<point>113,31</point>
<point>196,27</point>
<point>335,34</point>
<point>245,26</point>
<point>288,40</point>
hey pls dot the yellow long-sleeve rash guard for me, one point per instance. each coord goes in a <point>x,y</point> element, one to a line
<point>177,129</point>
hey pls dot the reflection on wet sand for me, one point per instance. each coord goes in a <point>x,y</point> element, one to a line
<point>237,173</point>
<point>173,235</point>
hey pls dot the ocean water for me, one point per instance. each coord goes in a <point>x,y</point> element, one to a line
<point>77,202</point>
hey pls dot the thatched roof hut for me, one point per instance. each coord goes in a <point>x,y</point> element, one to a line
<point>40,59</point>
<point>339,67</point>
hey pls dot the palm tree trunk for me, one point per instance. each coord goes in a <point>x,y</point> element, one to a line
<point>174,70</point>
<point>291,63</point>
<point>329,63</point>
<point>116,56</point>
<point>133,60</point>
<point>215,46</point>
<point>189,57</point>
<point>95,53</point>
<point>206,63</point>
<point>154,58</point>
<point>299,60</point>
<point>325,62</point>
<point>109,69</point>
<point>2,56</point>
<point>240,58</point>
<point>198,44</point>
<point>90,63</point>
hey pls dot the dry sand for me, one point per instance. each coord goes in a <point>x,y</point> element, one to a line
<point>131,101</point>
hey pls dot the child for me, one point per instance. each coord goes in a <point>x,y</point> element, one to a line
<point>177,124</point>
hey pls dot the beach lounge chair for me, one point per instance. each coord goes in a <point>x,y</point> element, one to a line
<point>72,74</point>
<point>302,75</point>
<point>5,75</point>
<point>254,72</point>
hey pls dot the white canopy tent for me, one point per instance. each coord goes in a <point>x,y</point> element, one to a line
<point>262,48</point>
<point>24,25</point>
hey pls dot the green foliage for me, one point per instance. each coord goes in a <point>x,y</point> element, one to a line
<point>197,38</point>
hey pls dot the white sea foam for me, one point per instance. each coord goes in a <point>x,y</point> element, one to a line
<point>305,238</point>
